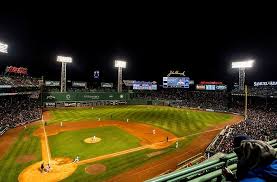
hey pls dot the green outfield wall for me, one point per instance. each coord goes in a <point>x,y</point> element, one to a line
<point>83,96</point>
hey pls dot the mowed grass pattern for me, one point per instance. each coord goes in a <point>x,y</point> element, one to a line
<point>9,168</point>
<point>71,144</point>
<point>181,122</point>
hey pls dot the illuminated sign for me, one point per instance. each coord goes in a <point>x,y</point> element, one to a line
<point>176,73</point>
<point>269,83</point>
<point>79,84</point>
<point>106,85</point>
<point>176,82</point>
<point>52,83</point>
<point>128,83</point>
<point>16,70</point>
<point>200,87</point>
<point>142,85</point>
<point>96,74</point>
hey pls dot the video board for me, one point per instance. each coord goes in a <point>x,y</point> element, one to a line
<point>176,82</point>
<point>211,87</point>
<point>141,85</point>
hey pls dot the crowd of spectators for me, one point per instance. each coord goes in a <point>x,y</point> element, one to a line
<point>216,100</point>
<point>18,110</point>
<point>260,125</point>
<point>14,81</point>
<point>257,91</point>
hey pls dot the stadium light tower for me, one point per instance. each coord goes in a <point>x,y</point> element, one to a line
<point>119,64</point>
<point>64,61</point>
<point>242,65</point>
<point>3,48</point>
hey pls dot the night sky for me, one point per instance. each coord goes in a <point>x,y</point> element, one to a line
<point>152,40</point>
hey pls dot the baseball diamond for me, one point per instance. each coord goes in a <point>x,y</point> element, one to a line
<point>121,141</point>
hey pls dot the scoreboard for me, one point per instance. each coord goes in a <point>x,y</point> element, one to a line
<point>176,82</point>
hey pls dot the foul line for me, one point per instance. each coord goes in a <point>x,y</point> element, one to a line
<point>46,140</point>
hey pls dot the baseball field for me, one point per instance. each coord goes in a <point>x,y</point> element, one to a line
<point>113,143</point>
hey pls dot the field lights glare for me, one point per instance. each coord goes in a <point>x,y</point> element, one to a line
<point>3,47</point>
<point>64,59</point>
<point>120,64</point>
<point>243,64</point>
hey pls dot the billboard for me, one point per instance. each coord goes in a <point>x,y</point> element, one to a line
<point>142,85</point>
<point>176,82</point>
<point>221,87</point>
<point>269,83</point>
<point>128,83</point>
<point>16,70</point>
<point>200,87</point>
<point>210,87</point>
<point>79,84</point>
<point>106,85</point>
<point>52,83</point>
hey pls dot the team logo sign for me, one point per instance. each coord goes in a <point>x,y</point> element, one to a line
<point>121,96</point>
<point>67,97</point>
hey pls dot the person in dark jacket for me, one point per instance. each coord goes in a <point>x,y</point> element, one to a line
<point>257,160</point>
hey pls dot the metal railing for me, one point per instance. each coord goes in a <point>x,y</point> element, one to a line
<point>204,171</point>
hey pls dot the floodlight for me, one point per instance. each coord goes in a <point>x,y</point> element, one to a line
<point>64,59</point>
<point>243,64</point>
<point>3,47</point>
<point>120,64</point>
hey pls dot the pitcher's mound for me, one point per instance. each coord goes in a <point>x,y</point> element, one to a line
<point>91,140</point>
<point>95,169</point>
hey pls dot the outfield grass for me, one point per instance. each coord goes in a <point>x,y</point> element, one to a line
<point>9,168</point>
<point>71,144</point>
<point>181,122</point>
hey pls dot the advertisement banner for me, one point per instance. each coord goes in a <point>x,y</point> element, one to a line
<point>50,104</point>
<point>128,83</point>
<point>16,70</point>
<point>79,84</point>
<point>200,87</point>
<point>5,86</point>
<point>142,85</point>
<point>269,83</point>
<point>106,85</point>
<point>52,83</point>
<point>210,87</point>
